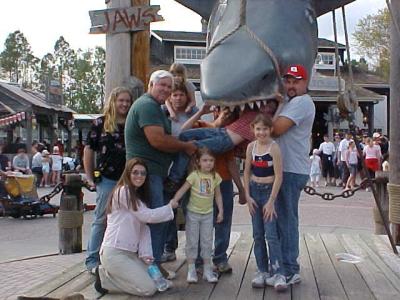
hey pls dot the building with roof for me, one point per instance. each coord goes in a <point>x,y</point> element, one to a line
<point>32,115</point>
<point>189,48</point>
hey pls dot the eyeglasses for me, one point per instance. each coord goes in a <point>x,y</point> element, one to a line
<point>139,173</point>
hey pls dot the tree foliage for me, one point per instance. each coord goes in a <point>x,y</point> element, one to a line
<point>81,72</point>
<point>372,38</point>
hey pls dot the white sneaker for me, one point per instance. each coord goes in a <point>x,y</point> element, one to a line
<point>293,279</point>
<point>209,275</point>
<point>192,275</point>
<point>259,280</point>
<point>278,281</point>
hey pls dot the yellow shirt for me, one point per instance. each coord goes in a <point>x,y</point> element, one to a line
<point>202,192</point>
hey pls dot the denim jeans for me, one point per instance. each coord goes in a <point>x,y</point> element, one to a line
<point>171,243</point>
<point>216,140</point>
<point>223,230</point>
<point>158,231</point>
<point>103,190</point>
<point>287,206</point>
<point>265,230</point>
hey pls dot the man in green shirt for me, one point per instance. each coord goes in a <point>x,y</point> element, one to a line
<point>148,136</point>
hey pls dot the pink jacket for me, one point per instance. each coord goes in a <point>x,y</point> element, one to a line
<point>127,229</point>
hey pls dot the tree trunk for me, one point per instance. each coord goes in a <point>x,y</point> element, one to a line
<point>394,176</point>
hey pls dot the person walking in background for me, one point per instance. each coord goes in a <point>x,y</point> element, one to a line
<point>203,183</point>
<point>372,155</point>
<point>327,150</point>
<point>5,164</point>
<point>37,162</point>
<point>45,169</point>
<point>315,171</point>
<point>343,147</point>
<point>126,251</point>
<point>352,163</point>
<point>56,166</point>
<point>106,140</point>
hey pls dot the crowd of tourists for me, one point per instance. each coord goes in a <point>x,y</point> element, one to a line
<point>152,156</point>
<point>340,163</point>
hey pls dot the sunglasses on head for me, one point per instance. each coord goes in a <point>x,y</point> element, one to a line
<point>139,173</point>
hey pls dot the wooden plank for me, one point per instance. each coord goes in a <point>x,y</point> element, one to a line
<point>46,288</point>
<point>329,285</point>
<point>246,290</point>
<point>373,276</point>
<point>354,285</point>
<point>307,289</point>
<point>75,285</point>
<point>381,246</point>
<point>229,284</point>
<point>392,278</point>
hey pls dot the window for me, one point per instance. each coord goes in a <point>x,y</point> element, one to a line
<point>189,55</point>
<point>325,61</point>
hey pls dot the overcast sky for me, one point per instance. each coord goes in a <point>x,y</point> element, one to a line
<point>44,21</point>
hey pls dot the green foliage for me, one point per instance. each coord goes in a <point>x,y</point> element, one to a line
<point>372,38</point>
<point>81,73</point>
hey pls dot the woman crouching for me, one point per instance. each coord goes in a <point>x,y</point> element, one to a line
<point>126,250</point>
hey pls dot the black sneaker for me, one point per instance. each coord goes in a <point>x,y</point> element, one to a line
<point>97,283</point>
<point>168,256</point>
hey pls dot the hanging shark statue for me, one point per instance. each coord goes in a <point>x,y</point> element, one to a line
<point>250,43</point>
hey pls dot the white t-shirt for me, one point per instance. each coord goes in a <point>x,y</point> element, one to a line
<point>327,148</point>
<point>372,152</point>
<point>343,147</point>
<point>56,160</point>
<point>352,156</point>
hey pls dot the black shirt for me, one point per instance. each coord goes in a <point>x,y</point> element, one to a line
<point>110,149</point>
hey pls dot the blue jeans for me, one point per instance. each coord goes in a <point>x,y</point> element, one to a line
<point>223,230</point>
<point>103,190</point>
<point>287,206</point>
<point>265,230</point>
<point>158,231</point>
<point>216,140</point>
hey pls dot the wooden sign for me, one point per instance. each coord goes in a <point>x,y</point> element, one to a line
<point>116,20</point>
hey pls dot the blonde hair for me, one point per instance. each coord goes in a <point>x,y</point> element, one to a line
<point>110,120</point>
<point>178,69</point>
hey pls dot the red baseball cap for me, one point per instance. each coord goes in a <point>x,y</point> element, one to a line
<point>296,71</point>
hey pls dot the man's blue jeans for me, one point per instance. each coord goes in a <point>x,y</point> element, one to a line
<point>158,231</point>
<point>265,230</point>
<point>287,206</point>
<point>103,190</point>
<point>223,230</point>
<point>216,140</point>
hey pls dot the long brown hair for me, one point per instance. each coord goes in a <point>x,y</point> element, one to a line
<point>110,118</point>
<point>132,193</point>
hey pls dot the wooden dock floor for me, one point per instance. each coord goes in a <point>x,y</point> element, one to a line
<point>377,276</point>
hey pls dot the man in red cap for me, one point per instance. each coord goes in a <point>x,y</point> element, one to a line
<point>293,123</point>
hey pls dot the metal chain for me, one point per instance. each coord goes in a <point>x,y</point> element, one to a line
<point>330,196</point>
<point>60,187</point>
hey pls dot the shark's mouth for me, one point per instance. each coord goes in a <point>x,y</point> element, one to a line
<point>265,104</point>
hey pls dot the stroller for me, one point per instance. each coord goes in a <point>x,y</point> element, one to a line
<point>19,198</point>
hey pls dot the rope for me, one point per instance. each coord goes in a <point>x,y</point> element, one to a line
<point>394,202</point>
<point>337,67</point>
<point>70,218</point>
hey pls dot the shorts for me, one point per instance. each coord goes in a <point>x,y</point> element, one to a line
<point>46,169</point>
<point>353,169</point>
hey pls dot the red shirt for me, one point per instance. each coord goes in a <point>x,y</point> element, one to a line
<point>242,125</point>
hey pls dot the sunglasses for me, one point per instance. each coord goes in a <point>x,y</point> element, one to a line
<point>139,173</point>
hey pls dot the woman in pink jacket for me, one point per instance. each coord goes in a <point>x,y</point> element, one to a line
<point>126,250</point>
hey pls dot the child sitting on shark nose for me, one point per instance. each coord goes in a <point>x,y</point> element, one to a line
<point>218,140</point>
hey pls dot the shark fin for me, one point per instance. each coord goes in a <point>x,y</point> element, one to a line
<point>325,6</point>
<point>202,7</point>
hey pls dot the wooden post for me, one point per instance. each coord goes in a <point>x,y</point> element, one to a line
<point>394,176</point>
<point>381,180</point>
<point>70,216</point>
<point>118,54</point>
<point>29,133</point>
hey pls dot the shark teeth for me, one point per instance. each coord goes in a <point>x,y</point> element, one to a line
<point>242,106</point>
<point>258,103</point>
<point>251,104</point>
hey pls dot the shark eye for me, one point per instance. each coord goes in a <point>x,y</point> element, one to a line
<point>310,15</point>
<point>215,19</point>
